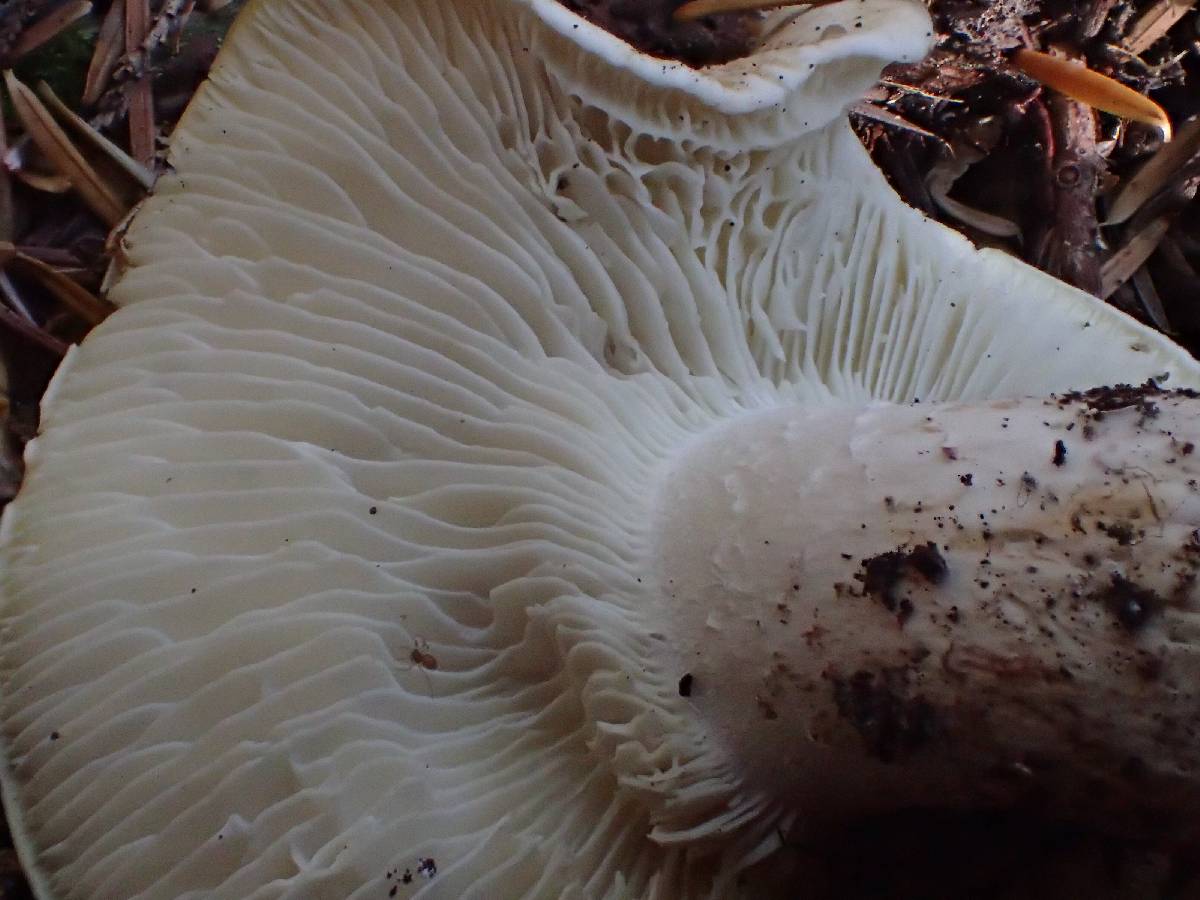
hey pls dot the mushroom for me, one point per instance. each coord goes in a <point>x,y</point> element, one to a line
<point>426,521</point>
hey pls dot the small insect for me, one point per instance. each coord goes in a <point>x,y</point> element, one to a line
<point>421,656</point>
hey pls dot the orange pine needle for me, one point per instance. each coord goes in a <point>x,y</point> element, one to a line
<point>1080,83</point>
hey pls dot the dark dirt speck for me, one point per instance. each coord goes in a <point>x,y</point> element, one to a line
<point>1132,604</point>
<point>892,723</point>
<point>1124,396</point>
<point>882,574</point>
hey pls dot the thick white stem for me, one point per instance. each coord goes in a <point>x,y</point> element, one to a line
<point>948,605</point>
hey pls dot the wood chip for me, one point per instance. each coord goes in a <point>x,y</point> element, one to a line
<point>1159,172</point>
<point>1154,24</point>
<point>1121,266</point>
<point>49,27</point>
<point>1099,91</point>
<point>54,144</point>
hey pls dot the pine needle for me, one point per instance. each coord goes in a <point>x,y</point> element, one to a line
<point>1157,174</point>
<point>141,92</point>
<point>1080,83</point>
<point>109,46</point>
<point>54,144</point>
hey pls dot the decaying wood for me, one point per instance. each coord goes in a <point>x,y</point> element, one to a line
<point>1069,246</point>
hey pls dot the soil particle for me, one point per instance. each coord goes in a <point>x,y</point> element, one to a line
<point>1132,604</point>
<point>767,709</point>
<point>1125,396</point>
<point>1060,453</point>
<point>649,26</point>
<point>882,574</point>
<point>685,685</point>
<point>1121,532</point>
<point>892,723</point>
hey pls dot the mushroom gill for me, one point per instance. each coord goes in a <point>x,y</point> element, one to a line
<point>335,567</point>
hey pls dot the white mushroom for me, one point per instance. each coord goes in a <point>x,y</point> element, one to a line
<point>371,544</point>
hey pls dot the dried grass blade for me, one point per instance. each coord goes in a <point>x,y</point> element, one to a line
<point>1096,90</point>
<point>12,297</point>
<point>72,295</point>
<point>1156,173</point>
<point>1121,266</point>
<point>110,44</point>
<point>1143,286</point>
<point>1154,24</point>
<point>31,333</point>
<point>883,116</point>
<point>141,92</point>
<point>49,27</point>
<point>53,142</point>
<point>142,177</point>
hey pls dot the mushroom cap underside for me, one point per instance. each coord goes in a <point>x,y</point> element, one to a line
<point>327,569</point>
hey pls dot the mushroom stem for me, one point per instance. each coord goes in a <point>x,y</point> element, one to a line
<point>949,605</point>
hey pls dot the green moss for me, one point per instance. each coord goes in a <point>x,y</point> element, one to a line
<point>61,62</point>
